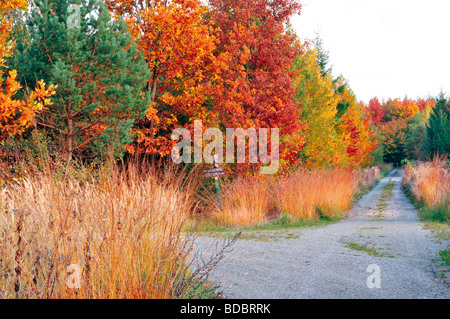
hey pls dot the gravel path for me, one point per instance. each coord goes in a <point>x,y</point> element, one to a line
<point>380,251</point>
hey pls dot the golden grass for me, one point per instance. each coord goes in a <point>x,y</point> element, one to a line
<point>304,195</point>
<point>122,231</point>
<point>429,182</point>
<point>322,193</point>
<point>244,201</point>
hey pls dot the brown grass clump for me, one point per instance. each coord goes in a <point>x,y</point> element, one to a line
<point>244,201</point>
<point>321,193</point>
<point>429,181</point>
<point>303,195</point>
<point>115,236</point>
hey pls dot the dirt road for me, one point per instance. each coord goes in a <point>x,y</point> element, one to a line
<point>381,250</point>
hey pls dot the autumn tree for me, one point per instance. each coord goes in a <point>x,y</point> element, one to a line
<point>399,110</point>
<point>416,134</point>
<point>359,135</point>
<point>356,138</point>
<point>317,106</point>
<point>402,124</point>
<point>16,114</point>
<point>394,140</point>
<point>428,104</point>
<point>255,87</point>
<point>376,110</point>
<point>178,47</point>
<point>98,72</point>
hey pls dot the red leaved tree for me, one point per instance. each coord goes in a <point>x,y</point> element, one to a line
<point>376,110</point>
<point>255,86</point>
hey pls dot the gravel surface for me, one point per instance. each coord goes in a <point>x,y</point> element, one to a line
<point>379,251</point>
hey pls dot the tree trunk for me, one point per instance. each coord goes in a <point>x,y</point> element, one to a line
<point>69,140</point>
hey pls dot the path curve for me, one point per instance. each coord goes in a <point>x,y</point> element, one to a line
<point>326,262</point>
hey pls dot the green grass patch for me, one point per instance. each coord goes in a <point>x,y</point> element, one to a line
<point>445,255</point>
<point>281,223</point>
<point>280,228</point>
<point>204,290</point>
<point>441,230</point>
<point>440,213</point>
<point>365,249</point>
<point>387,191</point>
<point>382,204</point>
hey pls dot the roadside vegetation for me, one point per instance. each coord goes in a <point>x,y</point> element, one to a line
<point>116,234</point>
<point>428,186</point>
<point>303,198</point>
<point>86,99</point>
<point>128,231</point>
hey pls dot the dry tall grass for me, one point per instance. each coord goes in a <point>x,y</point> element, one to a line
<point>429,182</point>
<point>116,236</point>
<point>244,201</point>
<point>303,195</point>
<point>310,195</point>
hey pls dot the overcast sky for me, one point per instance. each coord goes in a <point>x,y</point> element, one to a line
<point>384,48</point>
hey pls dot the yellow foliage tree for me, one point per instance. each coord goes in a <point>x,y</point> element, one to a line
<point>317,104</point>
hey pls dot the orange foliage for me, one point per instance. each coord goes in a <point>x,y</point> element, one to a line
<point>422,104</point>
<point>5,25</point>
<point>376,110</point>
<point>178,47</point>
<point>360,137</point>
<point>225,70</point>
<point>16,115</point>
<point>255,86</point>
<point>396,109</point>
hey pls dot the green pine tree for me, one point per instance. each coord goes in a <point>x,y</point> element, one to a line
<point>438,129</point>
<point>323,56</point>
<point>340,84</point>
<point>76,45</point>
<point>416,134</point>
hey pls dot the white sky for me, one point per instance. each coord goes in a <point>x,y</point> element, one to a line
<point>384,48</point>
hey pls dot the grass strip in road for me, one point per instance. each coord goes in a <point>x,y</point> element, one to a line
<point>386,195</point>
<point>367,250</point>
